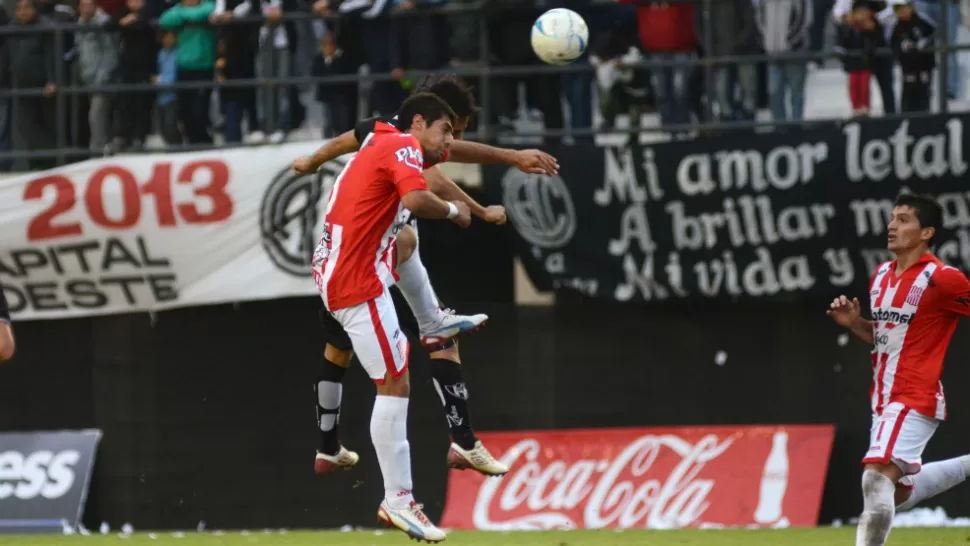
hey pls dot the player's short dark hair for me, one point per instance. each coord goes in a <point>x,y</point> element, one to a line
<point>454,91</point>
<point>428,105</point>
<point>929,213</point>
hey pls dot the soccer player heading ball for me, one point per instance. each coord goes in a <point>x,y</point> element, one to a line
<point>915,301</point>
<point>354,265</point>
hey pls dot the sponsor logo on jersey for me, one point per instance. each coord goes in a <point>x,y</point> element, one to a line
<point>887,315</point>
<point>411,157</point>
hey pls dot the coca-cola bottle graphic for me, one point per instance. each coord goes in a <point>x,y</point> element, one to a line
<point>774,481</point>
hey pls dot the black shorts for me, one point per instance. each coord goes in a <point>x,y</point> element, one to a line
<point>335,335</point>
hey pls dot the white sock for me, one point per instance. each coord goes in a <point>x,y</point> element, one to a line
<point>935,478</point>
<point>416,287</point>
<point>389,432</point>
<point>878,511</point>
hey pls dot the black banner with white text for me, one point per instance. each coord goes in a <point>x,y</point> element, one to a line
<point>743,216</point>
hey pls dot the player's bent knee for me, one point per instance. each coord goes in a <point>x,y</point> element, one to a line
<point>903,493</point>
<point>407,241</point>
<point>890,471</point>
<point>399,386</point>
<point>337,356</point>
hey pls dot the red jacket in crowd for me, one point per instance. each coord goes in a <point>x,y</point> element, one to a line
<point>666,27</point>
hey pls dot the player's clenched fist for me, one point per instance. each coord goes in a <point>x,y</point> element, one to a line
<point>844,312</point>
<point>305,165</point>
<point>495,214</point>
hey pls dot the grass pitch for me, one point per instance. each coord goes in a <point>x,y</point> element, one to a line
<point>721,537</point>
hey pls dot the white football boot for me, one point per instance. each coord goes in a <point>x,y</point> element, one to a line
<point>478,459</point>
<point>448,325</point>
<point>412,521</point>
<point>344,459</point>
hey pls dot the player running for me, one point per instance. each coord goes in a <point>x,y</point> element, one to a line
<point>915,302</point>
<point>437,326</point>
<point>353,267</point>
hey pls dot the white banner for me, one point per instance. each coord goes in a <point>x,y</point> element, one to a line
<point>154,232</point>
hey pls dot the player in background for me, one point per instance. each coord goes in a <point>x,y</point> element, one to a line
<point>466,450</point>
<point>915,302</point>
<point>7,345</point>
<point>353,267</point>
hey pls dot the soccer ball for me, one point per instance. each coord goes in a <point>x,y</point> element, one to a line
<point>559,36</point>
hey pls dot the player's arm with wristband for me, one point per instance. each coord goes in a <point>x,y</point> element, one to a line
<point>425,204</point>
<point>444,187</point>
<point>408,179</point>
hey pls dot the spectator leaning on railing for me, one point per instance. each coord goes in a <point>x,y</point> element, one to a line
<point>667,33</point>
<point>340,100</point>
<point>273,62</point>
<point>5,111</point>
<point>932,10</point>
<point>136,65</point>
<point>168,110</point>
<point>32,59</point>
<point>859,40</point>
<point>239,43</point>
<point>882,66</point>
<point>733,31</point>
<point>97,62</point>
<point>195,55</point>
<point>622,89</point>
<point>783,26</point>
<point>911,36</point>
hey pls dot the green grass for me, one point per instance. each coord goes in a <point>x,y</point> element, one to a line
<point>731,537</point>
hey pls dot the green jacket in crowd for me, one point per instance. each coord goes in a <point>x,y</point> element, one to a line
<point>196,39</point>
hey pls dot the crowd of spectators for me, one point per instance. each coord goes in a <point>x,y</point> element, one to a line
<point>213,42</point>
<point>871,37</point>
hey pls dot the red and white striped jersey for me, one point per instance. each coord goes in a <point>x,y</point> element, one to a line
<point>914,315</point>
<point>356,255</point>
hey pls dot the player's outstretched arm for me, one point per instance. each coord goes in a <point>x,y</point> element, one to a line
<point>425,204</point>
<point>847,314</point>
<point>444,187</point>
<point>530,161</point>
<point>334,148</point>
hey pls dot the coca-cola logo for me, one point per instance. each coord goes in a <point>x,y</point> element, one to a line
<point>624,491</point>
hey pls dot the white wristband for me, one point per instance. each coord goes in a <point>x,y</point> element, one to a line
<point>452,211</point>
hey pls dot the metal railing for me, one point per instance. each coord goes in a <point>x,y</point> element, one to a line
<point>483,71</point>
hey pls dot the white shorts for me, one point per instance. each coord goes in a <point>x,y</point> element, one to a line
<point>899,436</point>
<point>376,336</point>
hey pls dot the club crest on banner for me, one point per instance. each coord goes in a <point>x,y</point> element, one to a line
<point>540,207</point>
<point>291,210</point>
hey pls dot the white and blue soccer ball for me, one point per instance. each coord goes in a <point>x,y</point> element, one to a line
<point>559,36</point>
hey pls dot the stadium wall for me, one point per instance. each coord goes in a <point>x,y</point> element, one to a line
<point>208,413</point>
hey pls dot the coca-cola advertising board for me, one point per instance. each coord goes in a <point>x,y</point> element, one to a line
<point>657,478</point>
